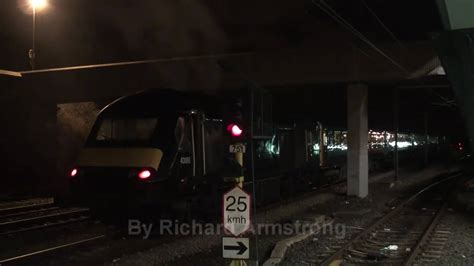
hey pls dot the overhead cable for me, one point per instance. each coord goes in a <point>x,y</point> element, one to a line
<point>326,8</point>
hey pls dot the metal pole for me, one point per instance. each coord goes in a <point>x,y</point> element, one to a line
<point>32,51</point>
<point>427,145</point>
<point>322,155</point>
<point>239,157</point>
<point>396,127</point>
<point>252,167</point>
<point>34,29</point>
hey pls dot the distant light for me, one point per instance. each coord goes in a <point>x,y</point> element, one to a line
<point>401,144</point>
<point>235,130</point>
<point>144,174</point>
<point>341,147</point>
<point>38,4</point>
<point>74,172</point>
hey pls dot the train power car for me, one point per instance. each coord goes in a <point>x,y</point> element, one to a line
<point>158,147</point>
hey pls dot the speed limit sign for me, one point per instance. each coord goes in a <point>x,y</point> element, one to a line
<point>236,211</point>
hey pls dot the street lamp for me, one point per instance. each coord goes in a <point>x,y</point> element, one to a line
<point>35,5</point>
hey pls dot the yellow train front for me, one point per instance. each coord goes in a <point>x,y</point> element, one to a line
<point>158,147</point>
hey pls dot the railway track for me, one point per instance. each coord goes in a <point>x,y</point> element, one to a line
<point>36,253</point>
<point>408,235</point>
<point>26,219</point>
<point>39,218</point>
<point>34,217</point>
<point>8,208</point>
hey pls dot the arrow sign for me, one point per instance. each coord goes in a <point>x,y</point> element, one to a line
<point>235,248</point>
<point>241,248</point>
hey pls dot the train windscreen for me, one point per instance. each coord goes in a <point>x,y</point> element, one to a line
<point>126,130</point>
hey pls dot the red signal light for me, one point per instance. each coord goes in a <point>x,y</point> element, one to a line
<point>73,172</point>
<point>235,130</point>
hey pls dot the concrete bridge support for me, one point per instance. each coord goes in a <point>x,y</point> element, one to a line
<point>357,141</point>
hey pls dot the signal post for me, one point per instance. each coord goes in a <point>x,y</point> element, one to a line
<point>236,215</point>
<point>236,205</point>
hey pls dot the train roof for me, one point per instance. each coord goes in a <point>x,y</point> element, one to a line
<point>161,101</point>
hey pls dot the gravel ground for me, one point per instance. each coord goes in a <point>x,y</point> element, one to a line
<point>354,215</point>
<point>460,246</point>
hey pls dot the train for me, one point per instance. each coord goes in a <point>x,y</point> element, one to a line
<point>158,147</point>
<point>169,150</point>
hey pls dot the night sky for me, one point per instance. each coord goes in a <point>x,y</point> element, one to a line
<point>76,32</point>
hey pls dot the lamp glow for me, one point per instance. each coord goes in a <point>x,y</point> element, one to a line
<point>38,4</point>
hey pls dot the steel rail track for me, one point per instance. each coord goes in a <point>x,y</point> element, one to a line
<point>26,205</point>
<point>51,249</point>
<point>46,225</point>
<point>13,214</point>
<point>66,212</point>
<point>61,217</point>
<point>420,240</point>
<point>424,241</point>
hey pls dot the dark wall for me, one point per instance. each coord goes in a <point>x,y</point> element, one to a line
<point>28,142</point>
<point>74,122</point>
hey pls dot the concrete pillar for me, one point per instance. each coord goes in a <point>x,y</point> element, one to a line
<point>357,141</point>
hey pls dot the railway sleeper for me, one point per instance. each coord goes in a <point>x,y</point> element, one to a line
<point>374,253</point>
<point>360,261</point>
<point>400,238</point>
<point>382,246</point>
<point>16,214</point>
<point>434,253</point>
<point>428,255</point>
<point>437,243</point>
<point>39,224</point>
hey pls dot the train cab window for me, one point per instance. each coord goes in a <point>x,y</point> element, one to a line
<point>130,129</point>
<point>183,135</point>
<point>184,157</point>
<point>179,131</point>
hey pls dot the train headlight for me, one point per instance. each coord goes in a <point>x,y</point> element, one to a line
<point>74,172</point>
<point>146,173</point>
